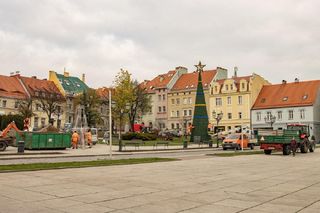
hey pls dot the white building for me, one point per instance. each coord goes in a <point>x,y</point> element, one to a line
<point>288,103</point>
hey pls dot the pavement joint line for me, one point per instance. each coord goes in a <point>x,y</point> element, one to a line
<point>268,201</point>
<point>308,205</point>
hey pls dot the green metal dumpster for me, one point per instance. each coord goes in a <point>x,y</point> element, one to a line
<point>44,140</point>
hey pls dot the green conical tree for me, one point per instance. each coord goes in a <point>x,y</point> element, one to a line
<point>200,116</point>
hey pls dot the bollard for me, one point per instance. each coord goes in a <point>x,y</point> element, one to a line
<point>210,143</point>
<point>185,144</point>
<point>21,147</point>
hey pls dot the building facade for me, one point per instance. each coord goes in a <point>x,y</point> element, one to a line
<point>158,89</point>
<point>70,87</point>
<point>181,98</point>
<point>288,103</point>
<point>233,98</point>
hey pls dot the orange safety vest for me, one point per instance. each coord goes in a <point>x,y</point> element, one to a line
<point>75,137</point>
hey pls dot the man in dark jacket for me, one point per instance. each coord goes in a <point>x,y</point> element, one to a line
<point>293,145</point>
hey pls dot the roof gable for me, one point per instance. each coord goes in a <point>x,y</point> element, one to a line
<point>287,95</point>
<point>161,81</point>
<point>189,81</point>
<point>12,88</point>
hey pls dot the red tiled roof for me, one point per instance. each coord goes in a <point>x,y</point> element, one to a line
<point>161,81</point>
<point>189,81</point>
<point>37,85</point>
<point>103,92</point>
<point>12,88</point>
<point>287,95</point>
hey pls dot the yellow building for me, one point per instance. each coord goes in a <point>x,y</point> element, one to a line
<point>181,98</point>
<point>232,99</point>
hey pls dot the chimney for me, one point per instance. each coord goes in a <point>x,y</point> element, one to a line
<point>181,70</point>
<point>34,77</point>
<point>284,81</point>
<point>65,74</point>
<point>11,73</point>
<point>83,78</point>
<point>235,72</point>
<point>296,80</point>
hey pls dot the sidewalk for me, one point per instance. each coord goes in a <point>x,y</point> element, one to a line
<point>96,150</point>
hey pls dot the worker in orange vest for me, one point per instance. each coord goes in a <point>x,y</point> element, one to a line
<point>75,140</point>
<point>88,137</point>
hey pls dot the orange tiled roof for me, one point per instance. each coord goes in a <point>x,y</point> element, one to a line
<point>103,92</point>
<point>161,81</point>
<point>12,88</point>
<point>189,81</point>
<point>287,95</point>
<point>37,85</point>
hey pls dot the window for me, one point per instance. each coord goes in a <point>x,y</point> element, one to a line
<point>16,104</point>
<point>178,113</point>
<point>231,86</point>
<point>4,103</point>
<point>38,107</point>
<point>227,87</point>
<point>43,122</point>
<point>290,117</point>
<point>216,89</point>
<point>172,113</point>
<point>190,112</point>
<point>185,100</point>
<point>190,100</point>
<point>285,98</point>
<point>240,115</point>
<point>229,128</point>
<point>258,116</point>
<point>159,97</point>
<point>36,122</point>
<point>218,102</point>
<point>279,115</point>
<point>263,100</point>
<point>302,114</point>
<point>269,116</point>
<point>164,97</point>
<point>70,119</point>
<point>229,115</point>
<point>305,97</point>
<point>163,108</point>
<point>185,112</point>
<point>240,100</point>
<point>159,109</point>
<point>177,125</point>
<point>178,100</point>
<point>243,86</point>
<point>172,126</point>
<point>172,101</point>
<point>229,100</point>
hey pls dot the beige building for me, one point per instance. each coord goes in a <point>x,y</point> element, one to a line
<point>158,89</point>
<point>15,89</point>
<point>181,98</point>
<point>233,98</point>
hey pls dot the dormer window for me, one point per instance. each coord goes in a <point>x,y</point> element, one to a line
<point>305,97</point>
<point>263,100</point>
<point>285,98</point>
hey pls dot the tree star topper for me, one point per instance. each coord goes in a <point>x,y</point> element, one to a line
<point>200,67</point>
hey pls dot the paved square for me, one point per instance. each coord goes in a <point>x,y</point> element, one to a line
<point>256,183</point>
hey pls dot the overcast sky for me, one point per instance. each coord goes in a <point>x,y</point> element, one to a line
<point>276,39</point>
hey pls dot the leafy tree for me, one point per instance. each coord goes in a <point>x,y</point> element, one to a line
<point>130,98</point>
<point>50,102</point>
<point>5,120</point>
<point>140,104</point>
<point>91,102</point>
<point>25,108</point>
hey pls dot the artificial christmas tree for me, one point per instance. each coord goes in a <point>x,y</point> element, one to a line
<point>200,116</point>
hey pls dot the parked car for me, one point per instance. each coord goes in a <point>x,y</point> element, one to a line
<point>234,141</point>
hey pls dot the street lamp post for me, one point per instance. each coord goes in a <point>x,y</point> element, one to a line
<point>185,141</point>
<point>217,117</point>
<point>271,119</point>
<point>120,139</point>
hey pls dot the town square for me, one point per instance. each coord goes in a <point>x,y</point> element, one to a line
<point>148,106</point>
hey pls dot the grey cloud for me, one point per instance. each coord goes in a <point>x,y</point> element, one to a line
<point>278,39</point>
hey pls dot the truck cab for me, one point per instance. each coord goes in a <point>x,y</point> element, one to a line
<point>234,141</point>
